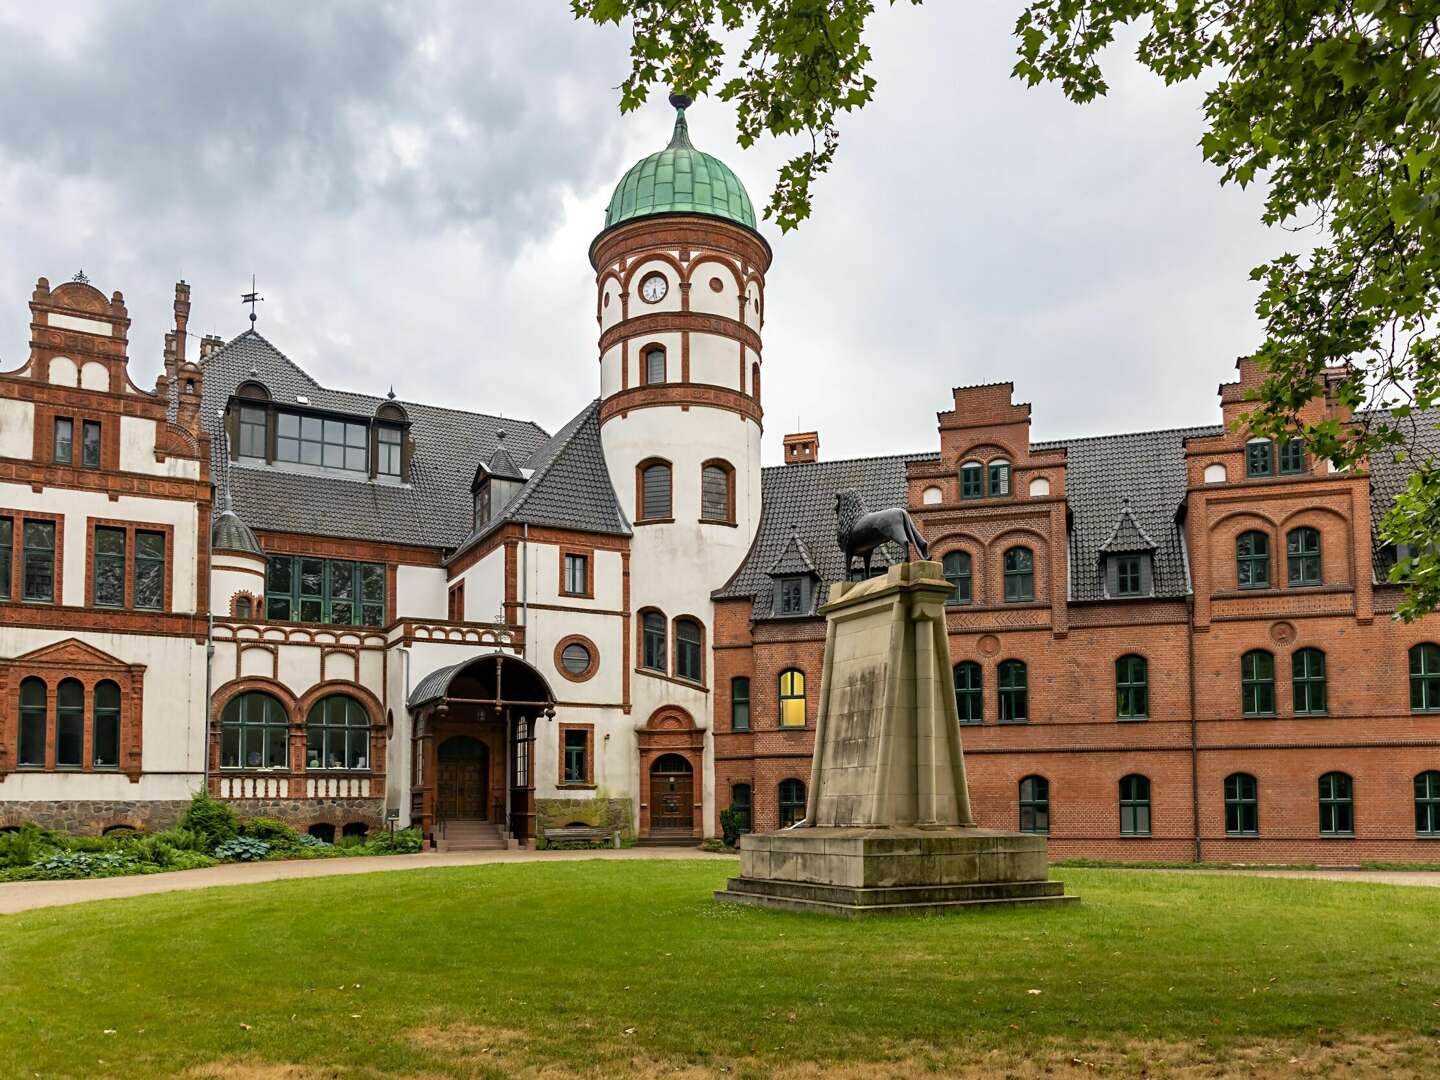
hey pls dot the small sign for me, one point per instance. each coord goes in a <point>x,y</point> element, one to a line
<point>392,813</point>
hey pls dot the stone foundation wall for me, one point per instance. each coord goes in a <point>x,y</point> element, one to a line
<point>85,817</point>
<point>302,813</point>
<point>598,813</point>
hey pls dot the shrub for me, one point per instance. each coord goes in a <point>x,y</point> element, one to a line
<point>349,843</point>
<point>92,844</point>
<point>242,849</point>
<point>403,842</point>
<point>273,831</point>
<point>189,860</point>
<point>730,822</point>
<point>65,865</point>
<point>22,847</point>
<point>308,841</point>
<point>211,818</point>
<point>182,839</point>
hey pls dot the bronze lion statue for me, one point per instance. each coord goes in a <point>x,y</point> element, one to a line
<point>859,533</point>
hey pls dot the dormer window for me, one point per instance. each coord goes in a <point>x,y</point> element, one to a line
<point>792,595</point>
<point>1128,574</point>
<point>387,451</point>
<point>482,502</point>
<point>999,478</point>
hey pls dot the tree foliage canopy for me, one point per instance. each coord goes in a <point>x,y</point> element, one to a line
<point>1333,104</point>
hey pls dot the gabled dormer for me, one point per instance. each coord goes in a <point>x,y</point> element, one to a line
<point>495,483</point>
<point>794,579</point>
<point>1127,558</point>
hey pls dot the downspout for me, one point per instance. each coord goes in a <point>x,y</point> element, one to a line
<point>525,590</point>
<point>1194,730</point>
<point>209,694</point>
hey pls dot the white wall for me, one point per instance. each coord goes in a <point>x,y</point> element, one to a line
<point>17,428</point>
<point>137,452</point>
<point>420,592</point>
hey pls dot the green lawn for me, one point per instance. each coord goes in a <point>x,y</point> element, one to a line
<point>629,968</point>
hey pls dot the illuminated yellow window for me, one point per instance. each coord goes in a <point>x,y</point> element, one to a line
<point>792,699</point>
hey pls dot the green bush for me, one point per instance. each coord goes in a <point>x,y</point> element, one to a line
<point>94,845</point>
<point>211,818</point>
<point>403,842</point>
<point>24,846</point>
<point>348,843</point>
<point>730,825</point>
<point>182,839</point>
<point>276,833</point>
<point>242,849</point>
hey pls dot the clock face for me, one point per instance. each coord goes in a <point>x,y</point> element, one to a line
<point>654,288</point>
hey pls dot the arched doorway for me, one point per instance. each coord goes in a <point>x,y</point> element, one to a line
<point>463,783</point>
<point>672,796</point>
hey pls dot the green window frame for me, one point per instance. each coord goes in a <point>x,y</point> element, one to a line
<point>653,637</point>
<point>105,726</point>
<point>1127,575</point>
<point>956,566</point>
<point>577,752</point>
<point>337,735</point>
<point>792,698</point>
<point>334,592</point>
<point>998,476</point>
<point>7,554</point>
<point>90,444</point>
<point>688,637</point>
<point>1307,680</point>
<point>1425,677</point>
<point>109,570</point>
<point>1132,687</point>
<point>1013,692</point>
<point>743,806</point>
<point>740,703</point>
<point>1427,803</point>
<point>1252,560</point>
<point>1291,458</point>
<point>1242,805</point>
<point>1035,805</point>
<point>969,691</point>
<point>1257,683</point>
<point>1019,575</point>
<point>1302,556</point>
<point>1134,805</point>
<point>37,562</point>
<point>972,480</point>
<point>63,444</point>
<point>1337,805</point>
<point>1259,458</point>
<point>254,732</point>
<point>34,703</point>
<point>792,802</point>
<point>69,724</point>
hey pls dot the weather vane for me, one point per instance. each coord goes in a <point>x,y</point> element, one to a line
<point>252,298</point>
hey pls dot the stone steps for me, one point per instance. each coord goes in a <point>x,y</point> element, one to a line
<point>466,835</point>
<point>904,900</point>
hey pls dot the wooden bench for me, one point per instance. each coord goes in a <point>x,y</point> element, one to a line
<point>582,832</point>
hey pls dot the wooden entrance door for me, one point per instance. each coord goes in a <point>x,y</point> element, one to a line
<point>463,778</point>
<point>672,795</point>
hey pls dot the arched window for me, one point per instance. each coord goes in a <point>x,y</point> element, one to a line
<point>33,706</point>
<point>654,365</point>
<point>792,699</point>
<point>1242,805</point>
<point>740,703</point>
<point>652,635</point>
<point>956,565</point>
<point>105,733</point>
<point>655,492</point>
<point>1257,683</point>
<point>688,663</point>
<point>244,607</point>
<point>717,492</point>
<point>69,724</point>
<point>1132,688</point>
<point>1252,560</point>
<point>1134,805</point>
<point>1425,677</point>
<point>792,802</point>
<point>1337,805</point>
<point>969,695</point>
<point>972,480</point>
<point>1035,805</point>
<point>1307,677</point>
<point>755,380</point>
<point>1427,803</point>
<point>337,734</point>
<point>740,803</point>
<point>1014,693</point>
<point>1302,556</point>
<point>253,732</point>
<point>998,474</point>
<point>1019,575</point>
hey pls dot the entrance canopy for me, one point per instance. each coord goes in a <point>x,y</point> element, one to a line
<point>494,678</point>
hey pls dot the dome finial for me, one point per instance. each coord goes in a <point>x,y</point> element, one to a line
<point>680,137</point>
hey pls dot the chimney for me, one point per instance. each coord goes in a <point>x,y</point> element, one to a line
<point>801,447</point>
<point>189,393</point>
<point>210,344</point>
<point>182,318</point>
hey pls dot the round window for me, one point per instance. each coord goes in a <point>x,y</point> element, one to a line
<point>576,658</point>
<point>653,288</point>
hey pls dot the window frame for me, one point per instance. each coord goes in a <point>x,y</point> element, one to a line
<point>745,808</point>
<point>790,801</point>
<point>1305,678</point>
<point>654,641</point>
<point>1034,797</point>
<point>1129,580</point>
<point>1132,689</point>
<point>87,459</point>
<point>972,481</point>
<point>67,424</point>
<point>248,427</point>
<point>1426,679</point>
<point>790,687</point>
<point>576,748</point>
<point>1247,562</point>
<point>792,596</point>
<point>134,536</point>
<point>643,514</point>
<point>25,551</point>
<point>307,436</point>
<point>960,575</point>
<point>7,556</point>
<point>387,447</point>
<point>1259,458</point>
<point>1022,577</point>
<point>727,508</point>
<point>1307,562</point>
<point>268,728</point>
<point>295,598</point>
<point>1427,803</point>
<point>740,702</point>
<point>571,584</point>
<point>1242,805</point>
<point>999,479</point>
<point>689,650</point>
<point>70,714</point>
<point>1136,799</point>
<point>1337,804</point>
<point>346,731</point>
<point>111,715</point>
<point>647,371</point>
<point>968,679</point>
<point>1255,684</point>
<point>28,713</point>
<point>1008,691</point>
<point>1290,458</point>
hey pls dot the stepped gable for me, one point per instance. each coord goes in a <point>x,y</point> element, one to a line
<point>433,509</point>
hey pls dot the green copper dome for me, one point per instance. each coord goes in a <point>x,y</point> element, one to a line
<point>680,180</point>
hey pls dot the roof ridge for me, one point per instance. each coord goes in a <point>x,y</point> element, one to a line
<point>1053,444</point>
<point>919,455</point>
<point>575,424</point>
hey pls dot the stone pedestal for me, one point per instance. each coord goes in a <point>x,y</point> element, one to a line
<point>888,828</point>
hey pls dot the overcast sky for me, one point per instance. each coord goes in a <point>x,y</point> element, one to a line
<point>415,186</point>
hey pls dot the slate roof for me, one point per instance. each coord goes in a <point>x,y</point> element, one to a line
<point>569,485</point>
<point>1126,536</point>
<point>433,509</point>
<point>1389,475</point>
<point>794,558</point>
<point>230,533</point>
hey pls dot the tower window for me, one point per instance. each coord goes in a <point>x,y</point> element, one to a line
<point>654,366</point>
<point>655,491</point>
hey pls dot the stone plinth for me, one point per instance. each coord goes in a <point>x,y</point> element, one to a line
<point>888,827</point>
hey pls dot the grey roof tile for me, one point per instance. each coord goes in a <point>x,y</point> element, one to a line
<point>794,558</point>
<point>1127,535</point>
